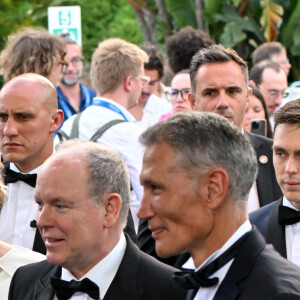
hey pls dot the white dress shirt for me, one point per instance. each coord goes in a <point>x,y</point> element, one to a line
<point>122,137</point>
<point>18,211</point>
<point>292,238</point>
<point>208,293</point>
<point>153,109</point>
<point>11,261</point>
<point>102,273</point>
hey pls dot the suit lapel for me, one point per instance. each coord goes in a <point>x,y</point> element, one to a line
<point>241,266</point>
<point>43,289</point>
<point>121,287</point>
<point>275,233</point>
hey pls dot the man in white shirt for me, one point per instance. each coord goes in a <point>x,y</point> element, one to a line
<point>150,106</point>
<point>198,169</point>
<point>28,119</point>
<point>117,74</point>
<point>83,195</point>
<point>279,221</point>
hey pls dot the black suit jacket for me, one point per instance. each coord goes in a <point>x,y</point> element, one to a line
<point>266,220</point>
<point>139,277</point>
<point>267,186</point>
<point>259,272</point>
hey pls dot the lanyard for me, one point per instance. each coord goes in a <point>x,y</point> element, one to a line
<point>113,107</point>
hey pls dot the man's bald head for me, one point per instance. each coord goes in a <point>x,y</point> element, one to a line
<point>28,119</point>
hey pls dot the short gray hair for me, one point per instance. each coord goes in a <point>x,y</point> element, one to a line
<point>107,172</point>
<point>215,54</point>
<point>204,141</point>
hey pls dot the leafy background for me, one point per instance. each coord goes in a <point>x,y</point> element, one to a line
<point>240,24</point>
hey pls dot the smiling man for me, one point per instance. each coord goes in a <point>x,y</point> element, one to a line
<point>28,119</point>
<point>197,173</point>
<point>83,194</point>
<point>279,221</point>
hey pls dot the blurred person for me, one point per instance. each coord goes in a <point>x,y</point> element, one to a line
<point>198,169</point>
<point>12,257</point>
<point>72,95</point>
<point>83,198</point>
<point>182,45</point>
<point>177,94</point>
<point>257,110</point>
<point>33,50</point>
<point>28,119</point>
<point>279,221</point>
<point>274,51</point>
<point>150,107</point>
<point>271,80</point>
<point>117,74</point>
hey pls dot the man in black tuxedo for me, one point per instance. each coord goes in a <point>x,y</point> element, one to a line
<point>28,119</point>
<point>219,80</point>
<point>197,172</point>
<point>279,221</point>
<point>83,193</point>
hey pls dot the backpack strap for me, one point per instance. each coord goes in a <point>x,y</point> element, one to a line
<point>75,125</point>
<point>106,126</point>
<point>62,136</point>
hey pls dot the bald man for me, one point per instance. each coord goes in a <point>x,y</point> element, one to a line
<point>28,119</point>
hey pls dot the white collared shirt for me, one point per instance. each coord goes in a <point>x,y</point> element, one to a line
<point>292,238</point>
<point>122,137</point>
<point>11,261</point>
<point>18,211</point>
<point>209,292</point>
<point>102,273</point>
<point>153,109</point>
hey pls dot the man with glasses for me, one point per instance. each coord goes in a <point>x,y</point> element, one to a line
<point>273,51</point>
<point>150,106</point>
<point>72,95</point>
<point>117,73</point>
<point>271,80</point>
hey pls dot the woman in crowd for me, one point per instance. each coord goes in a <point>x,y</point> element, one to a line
<point>257,109</point>
<point>177,94</point>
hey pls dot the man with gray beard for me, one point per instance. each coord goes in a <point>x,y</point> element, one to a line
<point>72,95</point>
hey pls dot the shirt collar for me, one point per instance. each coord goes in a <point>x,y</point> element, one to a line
<point>104,271</point>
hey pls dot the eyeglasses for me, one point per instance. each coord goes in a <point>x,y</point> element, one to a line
<point>145,80</point>
<point>64,65</point>
<point>274,94</point>
<point>152,82</point>
<point>76,61</point>
<point>172,94</point>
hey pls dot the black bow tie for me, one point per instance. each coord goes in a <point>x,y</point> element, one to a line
<point>196,279</point>
<point>10,176</point>
<point>65,289</point>
<point>288,216</point>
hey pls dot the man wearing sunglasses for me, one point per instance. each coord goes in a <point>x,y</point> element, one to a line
<point>72,95</point>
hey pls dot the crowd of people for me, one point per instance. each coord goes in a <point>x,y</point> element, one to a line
<point>155,181</point>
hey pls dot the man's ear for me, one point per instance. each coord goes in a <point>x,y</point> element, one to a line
<point>127,83</point>
<point>57,119</point>
<point>192,99</point>
<point>112,204</point>
<point>217,187</point>
<point>252,82</point>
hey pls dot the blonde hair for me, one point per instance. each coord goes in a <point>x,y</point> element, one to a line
<point>3,189</point>
<point>113,61</point>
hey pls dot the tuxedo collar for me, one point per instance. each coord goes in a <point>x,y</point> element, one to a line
<point>241,266</point>
<point>275,233</point>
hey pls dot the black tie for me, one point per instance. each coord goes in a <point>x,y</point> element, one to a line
<point>288,216</point>
<point>65,289</point>
<point>10,176</point>
<point>196,279</point>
